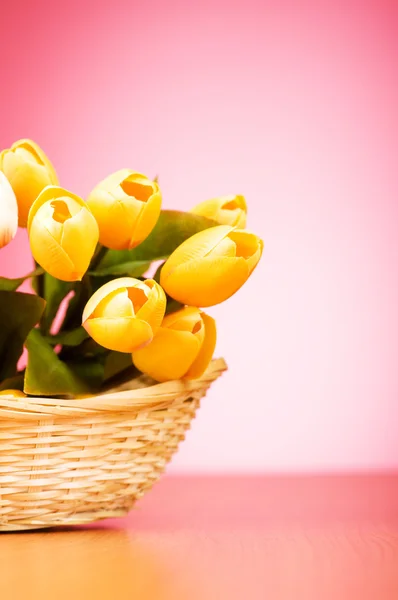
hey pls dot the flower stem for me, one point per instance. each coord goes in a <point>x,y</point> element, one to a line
<point>38,275</point>
<point>35,273</point>
<point>98,256</point>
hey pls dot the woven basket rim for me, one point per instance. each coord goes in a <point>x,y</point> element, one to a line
<point>156,396</point>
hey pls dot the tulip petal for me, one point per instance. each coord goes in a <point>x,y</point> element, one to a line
<point>233,202</point>
<point>13,393</point>
<point>154,308</point>
<point>206,351</point>
<point>226,210</point>
<point>104,290</point>
<point>113,180</point>
<point>52,192</point>
<point>48,215</point>
<point>195,247</point>
<point>183,320</point>
<point>120,334</point>
<point>235,217</point>
<point>107,315</point>
<point>241,221</point>
<point>80,238</point>
<point>249,246</point>
<point>41,157</point>
<point>27,180</point>
<point>138,296</point>
<point>29,171</point>
<point>119,223</point>
<point>208,208</point>
<point>138,186</point>
<point>65,217</point>
<point>206,281</point>
<point>126,206</point>
<point>49,254</point>
<point>8,211</point>
<point>225,248</point>
<point>116,304</point>
<point>115,218</point>
<point>172,319</point>
<point>147,220</point>
<point>169,356</point>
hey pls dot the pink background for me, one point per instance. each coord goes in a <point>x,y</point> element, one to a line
<point>293,104</point>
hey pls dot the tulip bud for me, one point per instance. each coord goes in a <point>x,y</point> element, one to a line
<point>182,348</point>
<point>126,205</point>
<point>13,393</point>
<point>124,314</point>
<point>226,210</point>
<point>8,212</point>
<point>211,266</point>
<point>29,171</point>
<point>63,233</point>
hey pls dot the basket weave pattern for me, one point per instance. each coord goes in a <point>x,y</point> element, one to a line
<point>68,462</point>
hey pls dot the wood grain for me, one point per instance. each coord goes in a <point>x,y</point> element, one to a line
<point>222,537</point>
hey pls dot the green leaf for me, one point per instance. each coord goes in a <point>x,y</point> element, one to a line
<point>131,268</point>
<point>91,348</point>
<point>73,316</point>
<point>11,285</point>
<point>115,363</point>
<point>54,291</point>
<point>19,314</point>
<point>83,290</point>
<point>173,305</point>
<point>89,370</point>
<point>37,280</point>
<point>156,277</point>
<point>99,254</point>
<point>86,350</point>
<point>46,374</point>
<point>123,376</point>
<point>68,338</point>
<point>172,228</point>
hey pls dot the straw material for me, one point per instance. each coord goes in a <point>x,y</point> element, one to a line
<point>73,461</point>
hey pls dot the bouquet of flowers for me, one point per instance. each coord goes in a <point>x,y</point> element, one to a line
<point>96,317</point>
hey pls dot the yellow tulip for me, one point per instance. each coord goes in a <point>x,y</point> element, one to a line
<point>124,314</point>
<point>226,210</point>
<point>63,233</point>
<point>8,212</point>
<point>211,266</point>
<point>13,393</point>
<point>182,348</point>
<point>29,171</point>
<point>126,205</point>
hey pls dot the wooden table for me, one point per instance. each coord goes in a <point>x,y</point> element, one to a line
<point>222,538</point>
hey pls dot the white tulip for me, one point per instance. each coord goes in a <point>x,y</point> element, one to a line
<point>8,211</point>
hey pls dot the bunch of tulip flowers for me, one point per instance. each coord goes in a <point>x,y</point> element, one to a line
<point>92,255</point>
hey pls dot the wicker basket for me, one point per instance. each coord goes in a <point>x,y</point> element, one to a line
<point>66,462</point>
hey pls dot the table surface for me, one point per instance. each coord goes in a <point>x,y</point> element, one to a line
<point>229,538</point>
